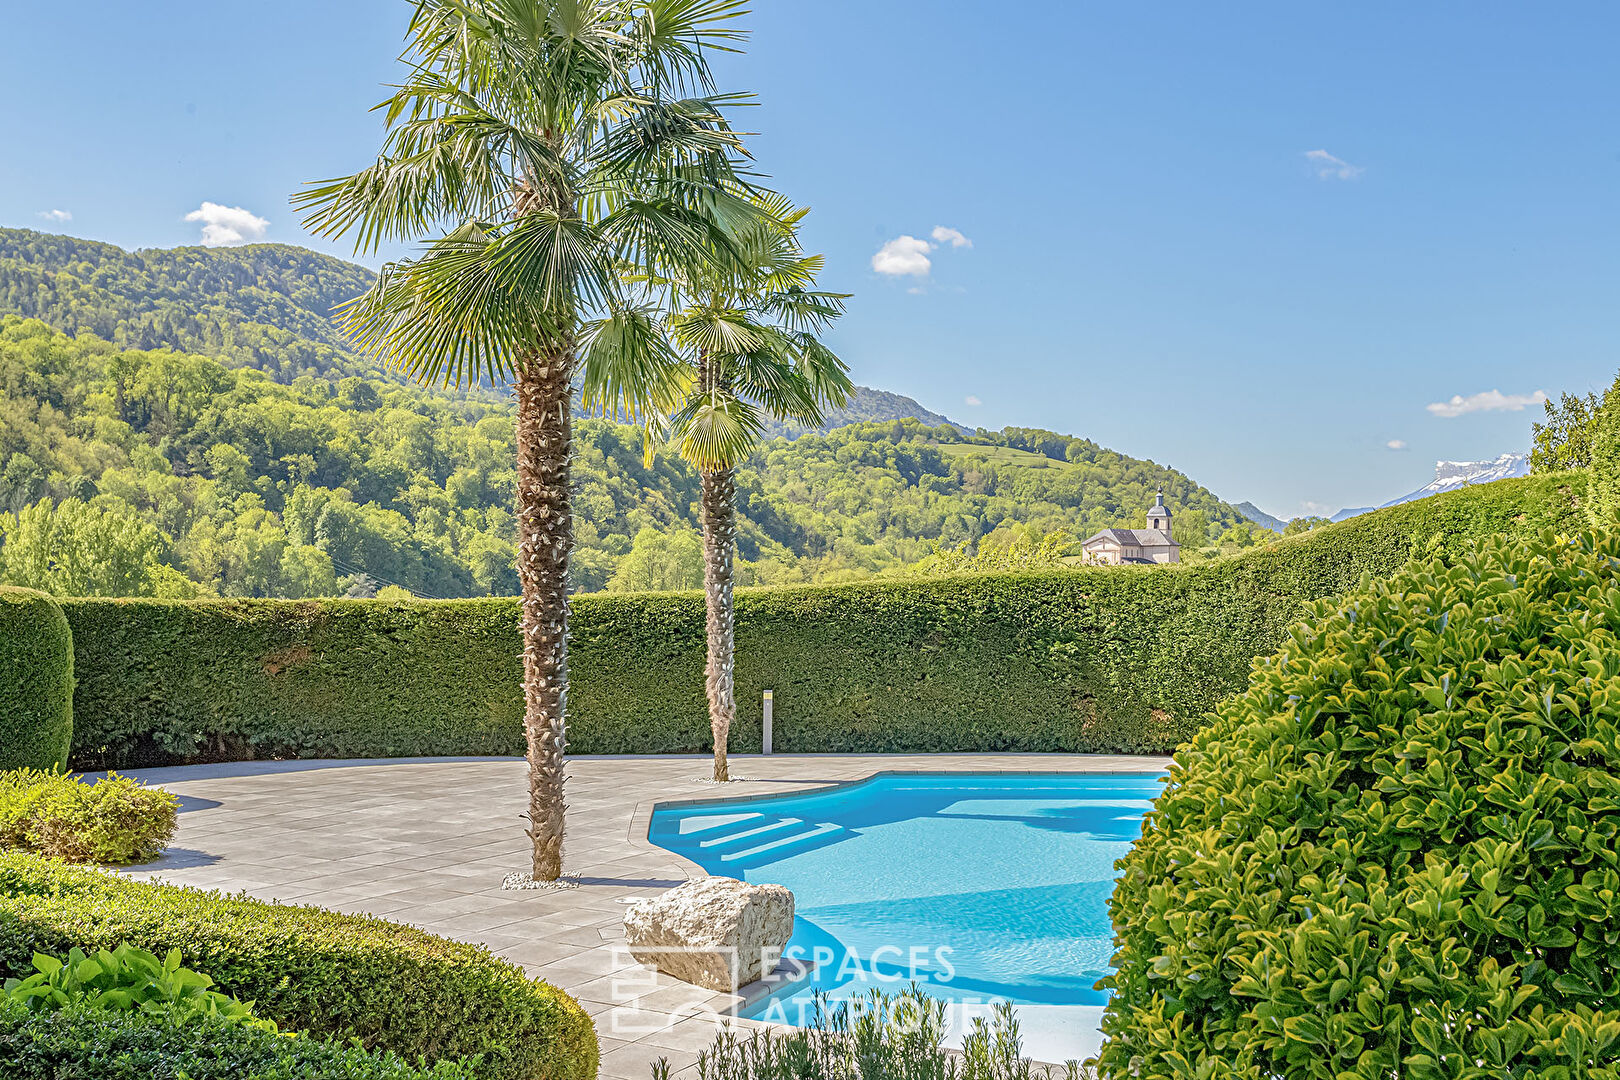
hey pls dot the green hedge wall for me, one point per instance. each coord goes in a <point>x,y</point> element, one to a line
<point>36,681</point>
<point>1094,659</point>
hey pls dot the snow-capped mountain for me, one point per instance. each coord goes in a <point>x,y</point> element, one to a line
<point>1451,475</point>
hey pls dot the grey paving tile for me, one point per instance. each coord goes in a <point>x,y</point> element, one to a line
<point>634,1061</point>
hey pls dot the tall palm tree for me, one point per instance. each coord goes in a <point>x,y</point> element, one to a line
<point>550,145</point>
<point>748,328</point>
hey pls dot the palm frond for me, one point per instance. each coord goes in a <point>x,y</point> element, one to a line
<point>628,369</point>
<point>803,311</point>
<point>823,369</point>
<point>672,36</point>
<point>770,375</point>
<point>716,430</point>
<point>650,135</point>
<point>716,331</point>
<point>448,317</point>
<point>558,263</point>
<point>661,240</point>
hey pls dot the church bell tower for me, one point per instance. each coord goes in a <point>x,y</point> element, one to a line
<point>1159,516</point>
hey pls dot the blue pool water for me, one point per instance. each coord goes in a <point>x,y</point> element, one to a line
<point>979,887</point>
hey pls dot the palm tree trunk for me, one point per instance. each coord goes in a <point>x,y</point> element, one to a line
<point>545,536</point>
<point>719,552</point>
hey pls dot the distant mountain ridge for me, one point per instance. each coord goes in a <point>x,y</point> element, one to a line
<point>1260,517</point>
<point>1451,475</point>
<point>868,404</point>
<point>266,306</point>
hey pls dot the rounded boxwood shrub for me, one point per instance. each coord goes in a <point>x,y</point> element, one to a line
<point>392,987</point>
<point>36,681</point>
<point>114,821</point>
<point>88,1042</point>
<point>1398,853</point>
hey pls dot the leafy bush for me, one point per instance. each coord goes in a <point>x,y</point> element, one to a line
<point>114,821</point>
<point>1094,659</point>
<point>36,681</point>
<point>1603,479</point>
<point>393,987</point>
<point>877,1037</point>
<point>128,979</point>
<point>79,1042</point>
<point>1398,853</point>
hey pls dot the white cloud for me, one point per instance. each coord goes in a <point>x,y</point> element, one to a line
<point>1329,167</point>
<point>226,226</point>
<point>904,256</point>
<point>1488,401</point>
<point>1396,444</point>
<point>971,400</point>
<point>56,215</point>
<point>907,256</point>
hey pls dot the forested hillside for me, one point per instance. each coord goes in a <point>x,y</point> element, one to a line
<point>128,472</point>
<point>266,306</point>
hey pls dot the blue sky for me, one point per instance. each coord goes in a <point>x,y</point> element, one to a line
<point>1253,241</point>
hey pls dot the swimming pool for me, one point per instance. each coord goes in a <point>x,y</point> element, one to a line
<point>979,887</point>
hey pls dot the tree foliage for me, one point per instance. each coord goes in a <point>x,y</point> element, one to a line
<point>266,306</point>
<point>1564,441</point>
<point>256,488</point>
<point>1603,486</point>
<point>81,549</point>
<point>1304,525</point>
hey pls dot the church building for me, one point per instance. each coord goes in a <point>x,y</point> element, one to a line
<point>1149,545</point>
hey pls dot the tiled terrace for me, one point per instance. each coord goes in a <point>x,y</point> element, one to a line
<point>427,842</point>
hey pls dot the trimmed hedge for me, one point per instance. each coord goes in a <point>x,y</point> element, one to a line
<point>1398,853</point>
<point>393,987</point>
<point>105,1045</point>
<point>36,681</point>
<point>1093,659</point>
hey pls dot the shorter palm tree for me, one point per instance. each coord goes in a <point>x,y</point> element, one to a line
<point>749,329</point>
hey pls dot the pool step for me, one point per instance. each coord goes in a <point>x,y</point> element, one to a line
<point>802,838</point>
<point>733,838</point>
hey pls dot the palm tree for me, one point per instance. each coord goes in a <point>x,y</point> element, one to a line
<point>551,145</point>
<point>748,329</point>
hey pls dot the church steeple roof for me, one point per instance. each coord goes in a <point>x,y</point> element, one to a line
<point>1159,509</point>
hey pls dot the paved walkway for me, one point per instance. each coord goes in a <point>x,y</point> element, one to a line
<point>428,842</point>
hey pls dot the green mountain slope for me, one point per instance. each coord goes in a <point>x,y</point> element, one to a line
<point>252,461</point>
<point>265,306</point>
<point>247,487</point>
